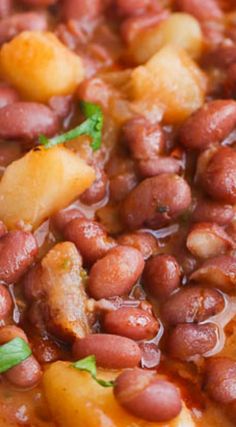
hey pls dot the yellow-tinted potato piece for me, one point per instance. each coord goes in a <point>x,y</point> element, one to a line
<point>40,183</point>
<point>171,79</point>
<point>40,66</point>
<point>76,400</point>
<point>180,30</point>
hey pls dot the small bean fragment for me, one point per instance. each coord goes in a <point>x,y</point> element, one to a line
<point>144,242</point>
<point>111,351</point>
<point>63,217</point>
<point>98,189</point>
<point>158,165</point>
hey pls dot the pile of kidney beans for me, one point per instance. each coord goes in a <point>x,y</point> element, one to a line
<point>156,231</point>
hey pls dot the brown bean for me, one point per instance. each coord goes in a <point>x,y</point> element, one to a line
<point>27,120</point>
<point>161,275</point>
<point>156,201</point>
<point>17,252</point>
<point>144,242</point>
<point>77,9</point>
<point>3,229</point>
<point>5,8</point>
<point>63,217</point>
<point>219,177</point>
<point>220,379</point>
<point>187,341</point>
<point>158,165</point>
<point>5,302</point>
<point>121,185</point>
<point>131,322</point>
<point>146,396</point>
<point>90,239</point>
<point>8,95</point>
<point>9,332</point>
<point>207,240</point>
<point>15,24</point>
<point>219,272</point>
<point>111,351</point>
<point>192,305</point>
<point>209,125</point>
<point>116,273</point>
<point>25,375</point>
<point>210,11</point>
<point>98,189</point>
<point>209,211</point>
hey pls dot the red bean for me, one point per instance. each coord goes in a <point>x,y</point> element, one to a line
<point>219,272</point>
<point>161,275</point>
<point>94,90</point>
<point>121,185</point>
<point>192,305</point>
<point>230,82</point>
<point>8,95</point>
<point>158,165</point>
<point>27,120</point>
<point>116,273</point>
<point>144,242</point>
<point>207,240</point>
<point>5,8</point>
<point>146,396</point>
<point>210,11</point>
<point>222,56</point>
<point>39,3</point>
<point>132,7</point>
<point>46,350</point>
<point>187,341</point>
<point>25,375</point>
<point>77,9</point>
<point>98,189</point>
<point>61,105</point>
<point>3,229</point>
<point>90,239</point>
<point>220,379</point>
<point>8,333</point>
<point>209,125</point>
<point>31,283</point>
<point>156,201</point>
<point>131,322</point>
<point>5,302</point>
<point>131,27</point>
<point>111,351</point>
<point>17,252</point>
<point>219,177</point>
<point>63,217</point>
<point>209,211</point>
<point>9,151</point>
<point>15,24</point>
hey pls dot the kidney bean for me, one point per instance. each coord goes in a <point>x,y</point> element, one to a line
<point>146,396</point>
<point>151,355</point>
<point>219,272</point>
<point>46,350</point>
<point>63,217</point>
<point>61,105</point>
<point>207,240</point>
<point>132,7</point>
<point>98,189</point>
<point>111,351</point>
<point>32,283</point>
<point>17,252</point>
<point>131,322</point>
<point>156,201</point>
<point>27,120</point>
<point>121,185</point>
<point>161,275</point>
<point>187,341</point>
<point>15,24</point>
<point>209,125</point>
<point>8,95</point>
<point>209,211</point>
<point>95,90</point>
<point>9,151</point>
<point>77,9</point>
<point>90,239</point>
<point>132,26</point>
<point>222,56</point>
<point>158,165</point>
<point>3,229</point>
<point>39,3</point>
<point>144,242</point>
<point>210,11</point>
<point>116,273</point>
<point>5,8</point>
<point>230,82</point>
<point>220,379</point>
<point>25,375</point>
<point>5,302</point>
<point>9,332</point>
<point>192,305</point>
<point>219,177</point>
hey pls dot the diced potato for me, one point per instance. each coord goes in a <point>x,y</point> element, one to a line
<point>40,66</point>
<point>40,183</point>
<point>76,400</point>
<point>180,30</point>
<point>171,79</point>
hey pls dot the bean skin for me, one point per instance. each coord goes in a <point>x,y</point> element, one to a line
<point>63,217</point>
<point>220,379</point>
<point>17,252</point>
<point>111,351</point>
<point>8,96</point>
<point>161,275</point>
<point>25,375</point>
<point>90,239</point>
<point>209,125</point>
<point>5,302</point>
<point>116,273</point>
<point>144,242</point>
<point>15,24</point>
<point>131,323</point>
<point>27,120</point>
<point>156,202</point>
<point>210,11</point>
<point>187,341</point>
<point>209,211</point>
<point>192,305</point>
<point>146,396</point>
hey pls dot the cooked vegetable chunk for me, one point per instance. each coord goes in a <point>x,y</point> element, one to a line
<point>40,183</point>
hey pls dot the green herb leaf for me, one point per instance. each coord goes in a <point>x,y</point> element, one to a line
<point>92,127</point>
<point>13,353</point>
<point>88,364</point>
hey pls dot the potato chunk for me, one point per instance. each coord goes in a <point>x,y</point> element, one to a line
<point>76,400</point>
<point>40,183</point>
<point>172,80</point>
<point>40,66</point>
<point>180,30</point>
